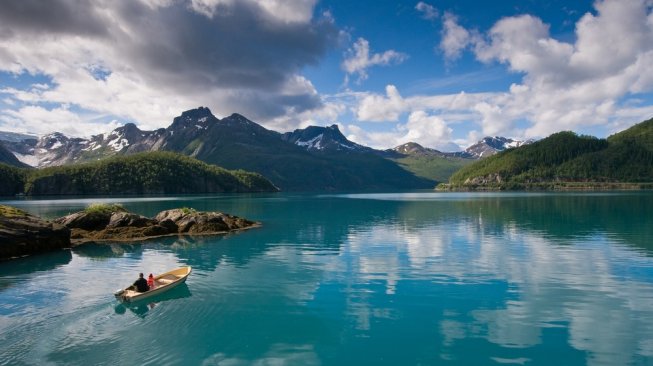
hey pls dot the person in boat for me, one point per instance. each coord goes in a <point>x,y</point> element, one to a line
<point>150,281</point>
<point>141,284</point>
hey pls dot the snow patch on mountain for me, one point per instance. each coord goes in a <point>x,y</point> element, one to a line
<point>316,138</point>
<point>118,144</point>
<point>491,145</point>
<point>313,143</point>
<point>28,159</point>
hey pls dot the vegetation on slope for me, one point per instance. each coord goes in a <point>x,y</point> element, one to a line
<point>293,168</point>
<point>436,168</point>
<point>104,208</point>
<point>143,173</point>
<point>566,158</point>
<point>11,212</point>
<point>12,180</point>
<point>237,143</point>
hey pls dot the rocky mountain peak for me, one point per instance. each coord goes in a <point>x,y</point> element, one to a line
<point>198,118</point>
<point>237,123</point>
<point>53,140</point>
<point>322,138</point>
<point>197,113</point>
<point>491,145</point>
<point>415,149</point>
<point>236,119</point>
<point>410,148</point>
<point>128,131</point>
<point>129,127</point>
<point>123,137</point>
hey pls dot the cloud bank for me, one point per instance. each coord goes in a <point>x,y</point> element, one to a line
<point>148,60</point>
<point>593,81</point>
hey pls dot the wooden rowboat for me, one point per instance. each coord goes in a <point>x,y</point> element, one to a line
<point>162,283</point>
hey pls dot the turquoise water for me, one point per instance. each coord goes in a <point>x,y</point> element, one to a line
<point>361,279</point>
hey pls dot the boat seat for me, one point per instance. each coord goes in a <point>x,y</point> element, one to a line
<point>165,281</point>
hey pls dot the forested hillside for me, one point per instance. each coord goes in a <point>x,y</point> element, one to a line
<point>565,158</point>
<point>12,179</point>
<point>143,173</point>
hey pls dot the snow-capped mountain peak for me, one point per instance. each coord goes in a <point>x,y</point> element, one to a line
<point>318,138</point>
<point>491,145</point>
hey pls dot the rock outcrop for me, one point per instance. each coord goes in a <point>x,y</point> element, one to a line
<point>195,222</point>
<point>113,223</point>
<point>22,234</point>
<point>489,179</point>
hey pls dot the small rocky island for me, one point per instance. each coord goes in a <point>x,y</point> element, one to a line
<point>23,234</point>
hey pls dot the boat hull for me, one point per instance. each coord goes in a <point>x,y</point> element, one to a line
<point>165,282</point>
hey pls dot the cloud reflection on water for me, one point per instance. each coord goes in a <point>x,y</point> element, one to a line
<point>574,285</point>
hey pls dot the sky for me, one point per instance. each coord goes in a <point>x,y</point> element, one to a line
<point>442,73</point>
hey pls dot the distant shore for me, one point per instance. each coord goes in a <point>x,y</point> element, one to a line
<point>549,186</point>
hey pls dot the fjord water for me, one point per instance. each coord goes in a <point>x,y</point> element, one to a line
<point>352,279</point>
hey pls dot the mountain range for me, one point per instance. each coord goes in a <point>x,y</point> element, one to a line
<point>314,158</point>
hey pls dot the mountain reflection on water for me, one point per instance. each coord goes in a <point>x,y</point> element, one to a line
<point>430,278</point>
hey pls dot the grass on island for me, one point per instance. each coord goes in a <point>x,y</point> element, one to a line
<point>188,210</point>
<point>104,208</point>
<point>11,212</point>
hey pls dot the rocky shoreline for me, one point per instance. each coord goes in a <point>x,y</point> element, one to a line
<point>543,186</point>
<point>23,234</point>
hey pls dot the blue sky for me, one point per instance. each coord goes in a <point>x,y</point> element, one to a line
<point>440,73</point>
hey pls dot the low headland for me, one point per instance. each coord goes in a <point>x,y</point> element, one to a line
<point>566,161</point>
<point>146,173</point>
<point>23,234</point>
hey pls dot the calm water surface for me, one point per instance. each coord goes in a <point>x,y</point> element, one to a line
<point>378,279</point>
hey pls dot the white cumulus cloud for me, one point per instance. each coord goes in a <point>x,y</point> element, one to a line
<point>595,80</point>
<point>359,59</point>
<point>571,85</point>
<point>428,11</point>
<point>455,38</point>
